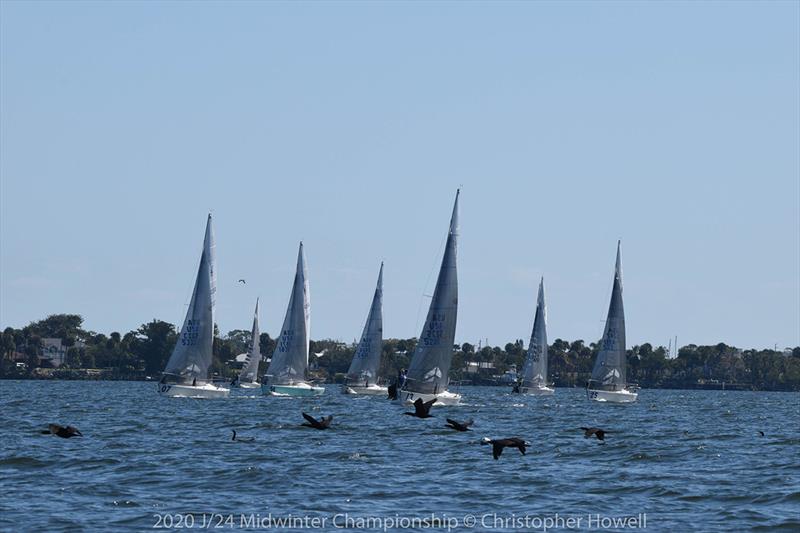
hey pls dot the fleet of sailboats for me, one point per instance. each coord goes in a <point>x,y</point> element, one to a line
<point>186,372</point>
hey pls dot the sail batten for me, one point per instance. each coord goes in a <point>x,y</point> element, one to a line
<point>430,365</point>
<point>192,354</point>
<point>610,366</point>
<point>367,358</point>
<point>249,372</point>
<point>290,359</point>
<point>534,372</point>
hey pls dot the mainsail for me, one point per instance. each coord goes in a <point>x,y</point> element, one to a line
<point>609,368</point>
<point>249,372</point>
<point>192,354</point>
<point>429,368</point>
<point>290,359</point>
<point>534,372</point>
<point>367,359</point>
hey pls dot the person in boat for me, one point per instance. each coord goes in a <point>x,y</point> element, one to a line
<point>194,382</point>
<point>401,378</point>
<point>517,385</point>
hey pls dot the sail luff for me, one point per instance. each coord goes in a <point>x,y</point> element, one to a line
<point>430,365</point>
<point>610,366</point>
<point>367,357</point>
<point>290,359</point>
<point>249,372</point>
<point>192,354</point>
<point>535,370</point>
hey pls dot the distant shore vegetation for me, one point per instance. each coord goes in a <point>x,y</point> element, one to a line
<point>58,347</point>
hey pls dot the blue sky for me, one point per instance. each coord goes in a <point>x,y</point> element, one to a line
<point>673,126</point>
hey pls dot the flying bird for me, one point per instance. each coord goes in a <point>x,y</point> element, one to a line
<point>243,281</point>
<point>322,423</point>
<point>62,431</point>
<point>499,444</point>
<point>459,426</point>
<point>597,432</point>
<point>421,409</point>
<point>760,433</point>
<point>241,439</point>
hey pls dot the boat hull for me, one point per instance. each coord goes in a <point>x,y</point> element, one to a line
<point>442,398</point>
<point>254,385</point>
<point>371,390</point>
<point>617,396</point>
<point>536,391</point>
<point>298,389</point>
<point>206,390</point>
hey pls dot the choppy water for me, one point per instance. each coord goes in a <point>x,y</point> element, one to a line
<point>688,459</point>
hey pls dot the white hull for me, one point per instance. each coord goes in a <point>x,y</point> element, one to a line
<point>371,390</point>
<point>206,390</point>
<point>617,396</point>
<point>297,389</point>
<point>443,398</point>
<point>254,385</point>
<point>536,391</point>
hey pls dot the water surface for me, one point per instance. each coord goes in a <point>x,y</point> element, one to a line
<point>686,459</point>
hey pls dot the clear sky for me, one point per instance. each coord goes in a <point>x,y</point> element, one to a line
<point>674,126</point>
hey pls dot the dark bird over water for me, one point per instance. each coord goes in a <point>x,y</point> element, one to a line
<point>242,281</point>
<point>597,432</point>
<point>760,433</point>
<point>459,426</point>
<point>499,444</point>
<point>322,423</point>
<point>61,431</point>
<point>392,390</point>
<point>241,439</point>
<point>421,410</point>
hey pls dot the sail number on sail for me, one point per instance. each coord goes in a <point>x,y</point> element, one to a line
<point>190,333</point>
<point>611,338</point>
<point>536,351</point>
<point>286,340</point>
<point>435,329</point>
<point>364,348</point>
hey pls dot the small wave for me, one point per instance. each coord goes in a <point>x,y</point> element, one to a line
<point>24,462</point>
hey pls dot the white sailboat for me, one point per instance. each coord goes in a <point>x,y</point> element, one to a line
<point>362,376</point>
<point>534,372</point>
<point>186,374</point>
<point>430,365</point>
<point>248,376</point>
<point>286,375</point>
<point>608,382</point>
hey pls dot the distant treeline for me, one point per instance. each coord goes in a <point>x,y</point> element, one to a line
<point>144,352</point>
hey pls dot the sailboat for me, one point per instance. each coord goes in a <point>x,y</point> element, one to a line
<point>286,375</point>
<point>608,376</point>
<point>534,371</point>
<point>428,372</point>
<point>362,377</point>
<point>186,374</point>
<point>248,376</point>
